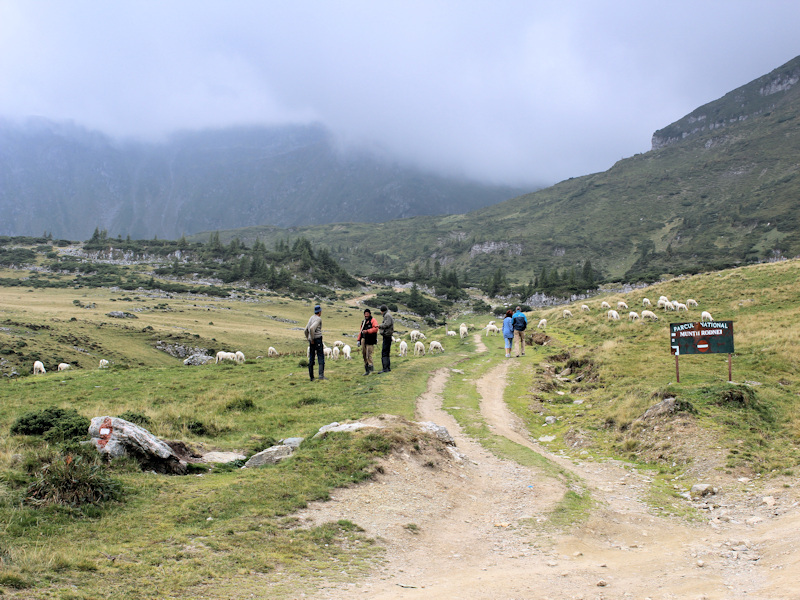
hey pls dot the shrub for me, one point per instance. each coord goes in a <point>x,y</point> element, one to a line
<point>240,404</point>
<point>72,481</point>
<point>136,418</point>
<point>55,424</point>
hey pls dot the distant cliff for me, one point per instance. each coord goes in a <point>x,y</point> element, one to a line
<point>65,180</point>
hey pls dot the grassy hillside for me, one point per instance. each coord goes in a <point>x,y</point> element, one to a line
<point>720,196</point>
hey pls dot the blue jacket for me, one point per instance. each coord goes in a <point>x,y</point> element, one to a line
<point>520,314</point>
<point>508,328</point>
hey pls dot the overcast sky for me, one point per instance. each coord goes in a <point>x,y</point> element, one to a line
<point>516,92</point>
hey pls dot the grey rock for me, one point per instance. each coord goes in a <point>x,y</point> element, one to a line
<point>550,420</point>
<point>196,360</point>
<point>347,427</point>
<point>702,489</point>
<point>270,456</point>
<point>222,457</point>
<point>293,442</point>
<point>117,437</point>
<point>440,432</point>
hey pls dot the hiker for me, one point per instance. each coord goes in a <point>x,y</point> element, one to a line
<point>386,329</point>
<point>508,332</point>
<point>520,324</point>
<point>367,338</point>
<point>316,350</point>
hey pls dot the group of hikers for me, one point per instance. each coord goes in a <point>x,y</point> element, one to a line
<point>514,325</point>
<point>366,339</point>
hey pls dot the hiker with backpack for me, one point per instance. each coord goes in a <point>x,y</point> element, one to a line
<point>520,323</point>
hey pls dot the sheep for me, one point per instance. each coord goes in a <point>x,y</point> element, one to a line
<point>649,314</point>
<point>419,349</point>
<point>605,304</point>
<point>221,356</point>
<point>662,301</point>
<point>491,323</point>
<point>613,315</point>
<point>338,343</point>
<point>622,305</point>
<point>706,316</point>
<point>327,352</point>
<point>403,348</point>
<point>542,324</point>
<point>668,306</point>
<point>103,363</point>
<point>395,339</point>
<point>346,352</point>
<point>492,328</point>
<point>64,366</point>
<point>239,357</point>
<point>646,302</point>
<point>691,302</point>
<point>679,307</point>
<point>435,346</point>
<point>584,308</point>
<point>451,333</point>
<point>633,315</point>
<point>567,313</point>
<point>335,353</point>
<point>38,368</point>
<point>414,335</point>
<point>421,336</point>
<point>462,330</point>
<point>663,298</point>
<point>272,352</point>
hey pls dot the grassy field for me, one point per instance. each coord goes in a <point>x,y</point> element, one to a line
<point>228,532</point>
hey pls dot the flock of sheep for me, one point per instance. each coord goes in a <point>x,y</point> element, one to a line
<point>38,366</point>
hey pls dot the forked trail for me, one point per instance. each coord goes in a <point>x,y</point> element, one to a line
<point>477,528</point>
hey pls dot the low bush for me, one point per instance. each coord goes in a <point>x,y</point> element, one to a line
<point>72,481</point>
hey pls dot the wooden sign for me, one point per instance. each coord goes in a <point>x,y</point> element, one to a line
<point>710,337</point>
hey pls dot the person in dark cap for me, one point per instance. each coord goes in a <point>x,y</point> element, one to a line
<point>367,338</point>
<point>316,350</point>
<point>386,329</point>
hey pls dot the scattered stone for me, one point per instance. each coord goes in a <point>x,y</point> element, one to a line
<point>120,314</point>
<point>117,437</point>
<point>550,420</point>
<point>293,442</point>
<point>700,490</point>
<point>548,438</point>
<point>768,501</point>
<point>195,360</point>
<point>440,432</point>
<point>602,583</point>
<point>701,563</point>
<point>347,427</point>
<point>270,456</point>
<point>222,457</point>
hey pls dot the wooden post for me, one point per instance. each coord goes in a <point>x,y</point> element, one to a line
<point>677,373</point>
<point>730,378</point>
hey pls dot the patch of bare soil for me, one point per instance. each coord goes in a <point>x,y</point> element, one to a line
<point>474,526</point>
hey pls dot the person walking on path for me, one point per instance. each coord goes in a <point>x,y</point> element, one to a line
<point>508,332</point>
<point>316,350</point>
<point>386,329</point>
<point>367,338</point>
<point>520,323</point>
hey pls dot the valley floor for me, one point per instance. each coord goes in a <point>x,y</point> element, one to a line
<point>476,528</point>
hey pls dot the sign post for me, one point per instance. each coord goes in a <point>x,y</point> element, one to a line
<point>712,337</point>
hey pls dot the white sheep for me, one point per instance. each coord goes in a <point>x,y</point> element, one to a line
<point>585,308</point>
<point>691,302</point>
<point>491,322</point>
<point>272,352</point>
<point>567,314</point>
<point>414,335</point>
<point>346,352</point>
<point>64,366</point>
<point>451,333</point>
<point>492,328</point>
<point>103,363</point>
<point>221,355</point>
<point>403,348</point>
<point>38,368</point>
<point>646,302</point>
<point>706,316</point>
<point>649,314</point>
<point>668,306</point>
<point>622,305</point>
<point>435,346</point>
<point>613,315</point>
<point>335,353</point>
<point>338,343</point>
<point>239,357</point>
<point>542,324</point>
<point>633,315</point>
<point>462,330</point>
<point>395,339</point>
<point>679,307</point>
<point>419,349</point>
<point>326,351</point>
<point>605,304</point>
<point>663,299</point>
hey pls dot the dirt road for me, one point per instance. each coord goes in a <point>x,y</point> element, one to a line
<point>476,528</point>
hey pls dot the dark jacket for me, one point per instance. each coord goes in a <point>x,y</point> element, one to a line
<point>387,326</point>
<point>369,331</point>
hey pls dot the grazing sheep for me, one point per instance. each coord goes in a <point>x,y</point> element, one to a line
<point>419,349</point>
<point>691,302</point>
<point>679,307</point>
<point>335,353</point>
<point>492,328</point>
<point>416,334</point>
<point>605,304</point>
<point>663,299</point>
<point>613,315</point>
<point>103,363</point>
<point>646,302</point>
<point>649,314</point>
<point>584,308</point>
<point>462,330</point>
<point>346,350</point>
<point>451,334</point>
<point>668,306</point>
<point>239,357</point>
<point>395,339</point>
<point>272,352</point>
<point>567,314</point>
<point>633,315</point>
<point>435,346</point>
<point>403,348</point>
<point>64,366</point>
<point>706,316</point>
<point>38,368</point>
<point>542,324</point>
<point>222,355</point>
<point>338,343</point>
<point>327,352</point>
<point>622,305</point>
